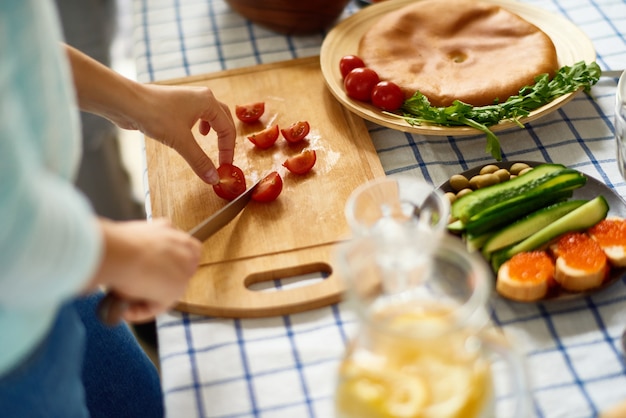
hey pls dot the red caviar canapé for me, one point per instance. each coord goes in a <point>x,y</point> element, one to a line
<point>532,266</point>
<point>610,232</point>
<point>580,251</point>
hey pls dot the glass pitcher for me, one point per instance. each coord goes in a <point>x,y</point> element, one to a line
<point>424,347</point>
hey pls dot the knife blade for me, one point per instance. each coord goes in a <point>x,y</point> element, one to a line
<point>112,307</point>
<point>222,217</point>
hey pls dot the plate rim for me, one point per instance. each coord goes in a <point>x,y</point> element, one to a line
<point>563,295</point>
<point>355,25</point>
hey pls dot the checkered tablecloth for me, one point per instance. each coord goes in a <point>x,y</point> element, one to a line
<point>285,366</point>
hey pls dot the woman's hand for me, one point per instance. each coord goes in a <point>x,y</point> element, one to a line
<point>170,112</point>
<point>148,265</point>
<point>165,113</point>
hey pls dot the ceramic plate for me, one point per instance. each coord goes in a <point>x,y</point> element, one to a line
<point>592,189</point>
<point>572,46</point>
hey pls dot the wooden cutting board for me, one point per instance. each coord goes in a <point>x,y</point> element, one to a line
<point>292,236</point>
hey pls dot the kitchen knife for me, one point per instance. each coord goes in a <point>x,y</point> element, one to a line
<point>112,307</point>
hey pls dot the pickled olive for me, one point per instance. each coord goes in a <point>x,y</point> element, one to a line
<point>488,169</point>
<point>451,197</point>
<point>517,167</point>
<point>459,182</point>
<point>489,175</point>
<point>483,180</point>
<point>503,174</point>
<point>489,179</point>
<point>526,170</point>
<point>463,192</point>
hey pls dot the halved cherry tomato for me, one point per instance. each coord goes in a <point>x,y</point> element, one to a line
<point>266,138</point>
<point>232,182</point>
<point>269,188</point>
<point>386,95</point>
<point>348,63</point>
<point>301,163</point>
<point>296,131</point>
<point>250,112</point>
<point>360,82</point>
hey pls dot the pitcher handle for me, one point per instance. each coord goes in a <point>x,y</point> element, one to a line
<point>519,381</point>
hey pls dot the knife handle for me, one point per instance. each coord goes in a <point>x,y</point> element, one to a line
<point>111,309</point>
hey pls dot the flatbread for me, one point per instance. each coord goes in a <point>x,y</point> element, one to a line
<point>465,50</point>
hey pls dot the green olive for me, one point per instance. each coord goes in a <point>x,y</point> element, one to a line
<point>526,170</point>
<point>503,174</point>
<point>484,180</point>
<point>463,192</point>
<point>459,182</point>
<point>488,169</point>
<point>451,197</point>
<point>517,167</point>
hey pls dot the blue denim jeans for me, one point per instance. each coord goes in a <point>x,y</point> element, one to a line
<point>83,369</point>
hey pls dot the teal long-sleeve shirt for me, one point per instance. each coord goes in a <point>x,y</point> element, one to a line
<point>50,244</point>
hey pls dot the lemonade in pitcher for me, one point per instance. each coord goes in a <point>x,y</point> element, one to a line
<point>424,348</point>
<point>420,366</point>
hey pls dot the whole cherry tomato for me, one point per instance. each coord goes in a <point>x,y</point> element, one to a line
<point>296,131</point>
<point>266,138</point>
<point>251,112</point>
<point>232,182</point>
<point>301,163</point>
<point>349,63</point>
<point>386,95</point>
<point>269,188</point>
<point>360,82</point>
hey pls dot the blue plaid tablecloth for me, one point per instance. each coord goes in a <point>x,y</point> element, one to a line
<point>285,366</point>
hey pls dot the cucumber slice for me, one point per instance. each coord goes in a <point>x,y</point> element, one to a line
<point>528,225</point>
<point>476,242</point>
<point>579,219</point>
<point>456,226</point>
<point>500,215</point>
<point>481,199</point>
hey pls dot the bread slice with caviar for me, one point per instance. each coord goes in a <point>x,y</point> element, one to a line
<point>526,277</point>
<point>610,234</point>
<point>581,264</point>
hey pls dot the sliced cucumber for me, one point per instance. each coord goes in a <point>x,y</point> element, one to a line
<point>504,214</point>
<point>528,225</point>
<point>481,199</point>
<point>476,242</point>
<point>584,217</point>
<point>456,226</point>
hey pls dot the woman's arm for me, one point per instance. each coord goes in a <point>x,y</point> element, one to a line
<point>165,113</point>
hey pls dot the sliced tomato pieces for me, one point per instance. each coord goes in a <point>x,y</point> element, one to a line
<point>251,112</point>
<point>296,131</point>
<point>269,188</point>
<point>266,138</point>
<point>301,163</point>
<point>232,182</point>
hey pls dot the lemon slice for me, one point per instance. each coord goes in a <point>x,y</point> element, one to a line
<point>368,393</point>
<point>455,389</point>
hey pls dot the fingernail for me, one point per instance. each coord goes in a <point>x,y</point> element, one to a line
<point>212,177</point>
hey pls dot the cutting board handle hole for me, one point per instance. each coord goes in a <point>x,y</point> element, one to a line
<point>288,278</point>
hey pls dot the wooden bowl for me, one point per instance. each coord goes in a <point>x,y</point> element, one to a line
<point>292,17</point>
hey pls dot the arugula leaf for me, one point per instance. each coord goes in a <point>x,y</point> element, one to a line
<point>417,110</point>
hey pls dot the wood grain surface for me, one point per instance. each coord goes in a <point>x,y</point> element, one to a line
<point>296,234</point>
